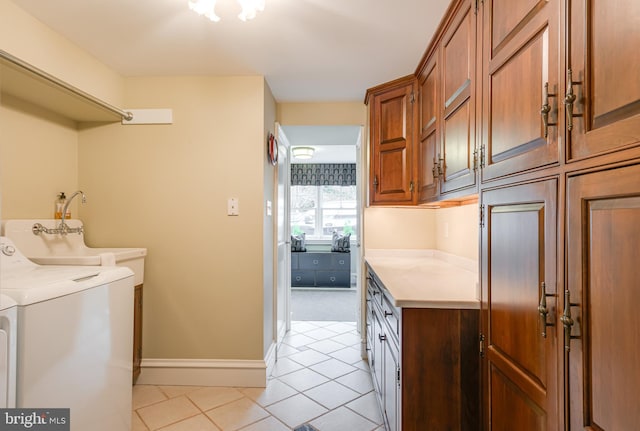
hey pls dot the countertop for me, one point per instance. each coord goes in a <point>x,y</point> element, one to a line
<point>427,278</point>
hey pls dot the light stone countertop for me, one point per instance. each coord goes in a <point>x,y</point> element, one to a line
<point>427,278</point>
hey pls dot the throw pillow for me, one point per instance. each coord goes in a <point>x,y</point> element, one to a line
<point>298,243</point>
<point>340,243</point>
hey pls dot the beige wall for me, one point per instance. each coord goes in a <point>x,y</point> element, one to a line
<point>322,114</point>
<point>399,228</point>
<point>456,230</point>
<point>28,39</point>
<point>166,188</point>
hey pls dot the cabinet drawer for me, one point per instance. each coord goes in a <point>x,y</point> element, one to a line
<point>333,278</point>
<point>314,261</point>
<point>302,278</point>
<point>341,262</point>
<point>390,315</point>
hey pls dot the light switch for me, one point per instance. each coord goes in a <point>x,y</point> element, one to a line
<point>233,208</point>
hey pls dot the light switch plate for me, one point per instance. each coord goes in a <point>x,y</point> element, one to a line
<point>233,208</point>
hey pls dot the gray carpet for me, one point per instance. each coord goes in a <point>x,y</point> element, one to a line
<point>338,305</point>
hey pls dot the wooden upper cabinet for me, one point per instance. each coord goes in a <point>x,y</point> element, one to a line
<point>392,118</point>
<point>520,86</point>
<point>603,58</point>
<point>520,366</point>
<point>603,279</point>
<point>429,145</point>
<point>457,84</point>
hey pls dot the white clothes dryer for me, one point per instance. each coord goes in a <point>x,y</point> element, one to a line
<point>8,351</point>
<point>75,338</point>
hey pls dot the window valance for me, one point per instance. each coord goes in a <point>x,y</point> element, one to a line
<point>323,174</point>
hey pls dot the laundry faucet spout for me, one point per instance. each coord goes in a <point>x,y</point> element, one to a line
<point>63,227</point>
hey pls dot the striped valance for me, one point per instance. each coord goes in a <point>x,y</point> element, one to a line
<point>323,174</point>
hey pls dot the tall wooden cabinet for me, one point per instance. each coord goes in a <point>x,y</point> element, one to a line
<point>552,113</point>
<point>521,86</point>
<point>600,318</point>
<point>519,236</point>
<point>602,99</point>
<point>392,118</point>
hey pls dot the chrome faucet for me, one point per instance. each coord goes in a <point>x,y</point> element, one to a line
<point>62,228</point>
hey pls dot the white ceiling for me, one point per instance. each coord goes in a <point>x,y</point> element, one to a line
<point>307,50</point>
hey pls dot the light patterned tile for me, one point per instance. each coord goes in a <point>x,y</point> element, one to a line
<point>268,424</point>
<point>145,395</point>
<point>286,350</point>
<point>326,346</point>
<point>274,392</point>
<point>167,412</point>
<point>343,419</point>
<point>297,340</point>
<point>137,424</point>
<point>332,368</point>
<point>302,326</point>
<point>285,366</point>
<point>308,357</point>
<point>367,406</point>
<point>176,391</point>
<point>331,394</point>
<point>362,364</point>
<point>359,381</point>
<point>195,423</point>
<point>320,334</point>
<point>296,410</point>
<point>237,414</point>
<point>211,397</point>
<point>341,327</point>
<point>348,339</point>
<point>348,355</point>
<point>303,379</point>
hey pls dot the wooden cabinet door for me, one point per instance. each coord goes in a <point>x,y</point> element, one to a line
<point>458,100</point>
<point>520,389</point>
<point>429,146</point>
<point>603,233</point>
<point>520,60</point>
<point>392,141</point>
<point>603,57</point>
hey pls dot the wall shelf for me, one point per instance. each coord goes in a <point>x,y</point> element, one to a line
<point>26,82</point>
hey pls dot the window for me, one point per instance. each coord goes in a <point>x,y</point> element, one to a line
<point>317,211</point>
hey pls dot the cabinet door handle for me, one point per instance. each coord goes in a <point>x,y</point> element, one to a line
<point>411,186</point>
<point>333,279</point>
<point>567,320</point>
<point>382,337</point>
<point>545,109</point>
<point>375,182</point>
<point>542,309</point>
<point>387,313</point>
<point>569,99</point>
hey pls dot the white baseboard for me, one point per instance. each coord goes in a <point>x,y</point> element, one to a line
<point>206,372</point>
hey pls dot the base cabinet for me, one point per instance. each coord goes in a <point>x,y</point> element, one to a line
<point>424,363</point>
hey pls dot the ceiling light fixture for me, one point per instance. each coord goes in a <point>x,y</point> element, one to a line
<point>302,152</point>
<point>207,8</point>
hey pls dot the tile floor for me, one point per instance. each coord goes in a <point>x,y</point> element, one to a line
<point>319,379</point>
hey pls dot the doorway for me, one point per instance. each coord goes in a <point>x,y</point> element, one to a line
<point>317,210</point>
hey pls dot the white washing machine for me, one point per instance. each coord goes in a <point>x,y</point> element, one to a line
<point>8,350</point>
<point>75,338</point>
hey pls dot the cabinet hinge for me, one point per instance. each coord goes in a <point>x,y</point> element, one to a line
<point>412,98</point>
<point>481,215</point>
<point>482,148</point>
<point>482,345</point>
<point>398,374</point>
